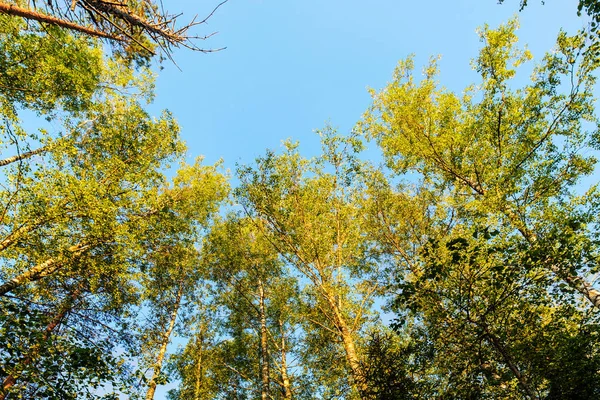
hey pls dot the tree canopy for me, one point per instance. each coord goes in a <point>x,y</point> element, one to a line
<point>464,267</point>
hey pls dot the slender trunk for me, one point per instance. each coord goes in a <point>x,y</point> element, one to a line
<point>346,336</point>
<point>6,385</point>
<point>23,156</point>
<point>56,321</point>
<point>165,342</point>
<point>41,270</point>
<point>264,351</point>
<point>287,389</point>
<point>511,365</point>
<point>199,372</point>
<point>11,9</point>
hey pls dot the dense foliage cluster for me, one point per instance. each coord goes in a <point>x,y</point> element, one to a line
<point>479,237</point>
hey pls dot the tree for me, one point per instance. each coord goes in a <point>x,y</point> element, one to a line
<point>258,297</point>
<point>88,215</point>
<point>501,157</point>
<point>312,209</point>
<point>79,216</point>
<point>45,71</point>
<point>494,241</point>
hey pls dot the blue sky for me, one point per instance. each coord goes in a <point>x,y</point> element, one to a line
<point>291,67</point>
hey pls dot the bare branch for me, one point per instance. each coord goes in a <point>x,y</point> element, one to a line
<point>11,9</point>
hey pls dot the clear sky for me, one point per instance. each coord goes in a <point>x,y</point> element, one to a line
<point>291,67</point>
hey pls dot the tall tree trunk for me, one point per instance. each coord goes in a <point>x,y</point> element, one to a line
<point>26,13</point>
<point>578,283</point>
<point>264,350</point>
<point>345,335</point>
<point>199,372</point>
<point>287,389</point>
<point>18,234</point>
<point>165,342</point>
<point>56,321</point>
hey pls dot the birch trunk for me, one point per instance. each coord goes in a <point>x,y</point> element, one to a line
<point>345,335</point>
<point>287,389</point>
<point>163,347</point>
<point>23,156</point>
<point>264,351</point>
<point>579,284</point>
<point>198,383</point>
<point>18,234</point>
<point>41,270</point>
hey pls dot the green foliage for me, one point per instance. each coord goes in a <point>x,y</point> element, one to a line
<point>386,368</point>
<point>313,211</point>
<point>502,242</point>
<point>61,366</point>
<point>45,70</point>
<point>90,222</point>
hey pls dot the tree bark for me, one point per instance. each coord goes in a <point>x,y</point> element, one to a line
<point>345,335</point>
<point>165,342</point>
<point>264,350</point>
<point>287,389</point>
<point>17,234</point>
<point>11,9</point>
<point>199,373</point>
<point>23,156</point>
<point>41,270</point>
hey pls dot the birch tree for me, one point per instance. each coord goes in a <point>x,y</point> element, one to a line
<point>493,265</point>
<point>312,209</point>
<point>512,155</point>
<point>258,298</point>
<point>82,214</point>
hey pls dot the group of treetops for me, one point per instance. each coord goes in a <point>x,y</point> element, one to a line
<point>479,235</point>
